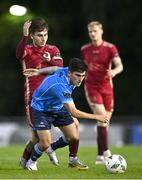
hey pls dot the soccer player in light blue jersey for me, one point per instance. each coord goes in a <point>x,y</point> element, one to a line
<point>52,103</point>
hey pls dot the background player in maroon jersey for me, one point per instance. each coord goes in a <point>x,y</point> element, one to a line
<point>99,56</point>
<point>37,55</point>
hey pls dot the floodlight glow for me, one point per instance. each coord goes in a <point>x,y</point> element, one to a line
<point>17,10</point>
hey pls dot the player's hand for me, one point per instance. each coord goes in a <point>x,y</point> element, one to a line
<point>47,56</point>
<point>111,73</point>
<point>31,72</point>
<point>102,118</point>
<point>26,27</point>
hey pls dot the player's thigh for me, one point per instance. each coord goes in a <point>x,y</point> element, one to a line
<point>76,124</point>
<point>70,131</point>
<point>94,98</point>
<point>108,99</point>
<point>98,108</point>
<point>35,138</point>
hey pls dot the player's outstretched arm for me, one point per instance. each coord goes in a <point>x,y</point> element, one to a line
<point>36,72</point>
<point>70,106</point>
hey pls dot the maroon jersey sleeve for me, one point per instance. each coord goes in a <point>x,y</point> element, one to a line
<point>21,47</point>
<point>84,54</point>
<point>56,59</point>
<point>114,51</point>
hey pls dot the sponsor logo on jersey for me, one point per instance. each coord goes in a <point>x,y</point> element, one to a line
<point>67,95</point>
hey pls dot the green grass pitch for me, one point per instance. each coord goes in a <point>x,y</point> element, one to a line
<point>9,164</point>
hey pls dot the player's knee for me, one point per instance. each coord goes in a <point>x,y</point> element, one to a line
<point>76,123</point>
<point>44,144</point>
<point>102,124</point>
<point>73,138</point>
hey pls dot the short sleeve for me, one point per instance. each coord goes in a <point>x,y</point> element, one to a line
<point>62,93</point>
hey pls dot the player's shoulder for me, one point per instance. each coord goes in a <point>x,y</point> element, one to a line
<point>62,71</point>
<point>86,46</point>
<point>29,49</point>
<point>51,46</point>
<point>108,44</point>
<point>61,74</point>
<point>29,46</point>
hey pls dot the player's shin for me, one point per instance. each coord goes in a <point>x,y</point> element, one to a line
<point>37,152</point>
<point>26,154</point>
<point>73,148</point>
<point>102,139</point>
<point>28,150</point>
<point>61,142</point>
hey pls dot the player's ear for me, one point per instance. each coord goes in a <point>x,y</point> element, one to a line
<point>69,73</point>
<point>31,35</point>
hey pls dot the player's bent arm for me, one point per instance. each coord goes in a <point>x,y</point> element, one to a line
<point>20,49</point>
<point>118,65</point>
<point>26,27</point>
<point>70,106</point>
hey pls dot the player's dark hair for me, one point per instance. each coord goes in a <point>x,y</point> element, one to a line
<point>77,64</point>
<point>38,24</point>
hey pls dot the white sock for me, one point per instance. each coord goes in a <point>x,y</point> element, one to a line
<point>107,153</point>
<point>49,150</point>
<point>72,158</point>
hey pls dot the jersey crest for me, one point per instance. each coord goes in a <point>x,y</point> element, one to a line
<point>67,95</point>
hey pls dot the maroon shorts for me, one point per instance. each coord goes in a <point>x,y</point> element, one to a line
<point>97,95</point>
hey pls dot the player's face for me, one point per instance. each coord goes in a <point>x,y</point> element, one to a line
<point>40,38</point>
<point>95,33</point>
<point>76,78</point>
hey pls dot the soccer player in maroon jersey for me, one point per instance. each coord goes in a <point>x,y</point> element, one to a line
<point>104,63</point>
<point>38,55</point>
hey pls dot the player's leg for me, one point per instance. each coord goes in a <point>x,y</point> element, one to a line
<point>72,135</point>
<point>28,149</point>
<point>30,144</point>
<point>96,103</point>
<point>108,99</point>
<point>105,107</point>
<point>60,143</point>
<point>102,135</point>
<point>43,134</point>
<point>39,148</point>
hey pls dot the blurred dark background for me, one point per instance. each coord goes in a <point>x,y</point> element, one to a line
<point>68,30</point>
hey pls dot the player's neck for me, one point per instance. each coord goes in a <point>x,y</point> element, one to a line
<point>97,43</point>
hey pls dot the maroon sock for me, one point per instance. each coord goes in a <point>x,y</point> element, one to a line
<point>28,151</point>
<point>102,139</point>
<point>73,148</point>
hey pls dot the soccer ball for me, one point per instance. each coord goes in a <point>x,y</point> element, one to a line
<point>116,164</point>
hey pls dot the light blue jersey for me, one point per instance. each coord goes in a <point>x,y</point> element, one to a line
<point>54,91</point>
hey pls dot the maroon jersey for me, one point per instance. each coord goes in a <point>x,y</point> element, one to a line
<point>35,57</point>
<point>98,85</point>
<point>99,60</point>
